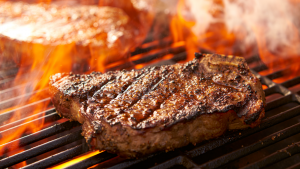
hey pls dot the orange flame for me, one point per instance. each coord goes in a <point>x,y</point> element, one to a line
<point>181,31</point>
<point>77,159</point>
<point>237,28</point>
<point>40,72</point>
<point>45,60</point>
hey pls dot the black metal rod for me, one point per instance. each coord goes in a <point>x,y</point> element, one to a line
<point>260,67</point>
<point>275,157</point>
<point>44,133</point>
<point>179,160</point>
<point>162,43</point>
<point>268,122</point>
<point>9,73</point>
<point>20,99</point>
<point>59,157</point>
<point>92,160</point>
<point>159,54</point>
<point>295,166</point>
<point>35,151</point>
<point>277,74</point>
<point>47,116</point>
<point>270,90</point>
<point>287,132</point>
<point>291,82</point>
<point>24,111</point>
<point>278,102</point>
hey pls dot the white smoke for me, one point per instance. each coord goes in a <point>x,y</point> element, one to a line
<point>273,22</point>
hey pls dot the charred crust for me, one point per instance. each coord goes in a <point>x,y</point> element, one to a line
<point>251,118</point>
<point>198,55</point>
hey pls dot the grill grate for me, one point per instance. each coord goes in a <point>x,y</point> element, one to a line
<point>274,144</point>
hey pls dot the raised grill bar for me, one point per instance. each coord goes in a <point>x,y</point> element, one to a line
<point>59,157</point>
<point>231,150</point>
<point>92,160</point>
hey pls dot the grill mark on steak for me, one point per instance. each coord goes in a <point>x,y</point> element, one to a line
<point>116,109</point>
<point>110,91</point>
<point>149,102</point>
<point>162,108</point>
<point>81,86</point>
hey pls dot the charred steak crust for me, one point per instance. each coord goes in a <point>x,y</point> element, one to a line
<point>138,112</point>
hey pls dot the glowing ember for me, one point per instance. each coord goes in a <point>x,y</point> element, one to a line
<point>77,159</point>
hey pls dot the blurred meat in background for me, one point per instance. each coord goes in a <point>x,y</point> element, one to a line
<point>95,34</point>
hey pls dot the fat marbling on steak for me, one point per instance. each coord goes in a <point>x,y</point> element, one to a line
<point>138,112</point>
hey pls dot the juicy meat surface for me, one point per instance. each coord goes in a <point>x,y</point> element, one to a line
<point>89,32</point>
<point>134,113</point>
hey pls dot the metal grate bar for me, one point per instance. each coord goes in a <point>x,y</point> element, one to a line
<point>270,121</point>
<point>277,156</point>
<point>260,67</point>
<point>180,160</point>
<point>278,102</point>
<point>24,111</point>
<point>92,160</point>
<point>292,130</point>
<point>20,99</point>
<point>148,57</point>
<point>291,82</point>
<point>35,151</point>
<point>45,117</point>
<point>294,166</point>
<point>59,157</point>
<point>44,133</point>
<point>165,42</point>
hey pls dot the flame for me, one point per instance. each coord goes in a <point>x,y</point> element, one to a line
<point>42,68</point>
<point>77,159</point>
<point>181,31</point>
<point>45,60</point>
<point>21,164</point>
<point>242,28</point>
<point>264,87</point>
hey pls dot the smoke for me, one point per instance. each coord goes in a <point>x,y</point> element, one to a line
<point>256,25</point>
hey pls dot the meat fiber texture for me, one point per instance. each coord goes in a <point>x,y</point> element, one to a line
<point>89,32</point>
<point>139,112</point>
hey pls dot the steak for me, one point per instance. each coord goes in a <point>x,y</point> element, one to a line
<point>89,33</point>
<point>135,113</point>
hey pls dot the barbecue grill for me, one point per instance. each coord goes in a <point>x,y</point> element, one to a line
<point>274,144</point>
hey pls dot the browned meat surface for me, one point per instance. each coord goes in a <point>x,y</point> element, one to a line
<point>134,113</point>
<point>100,35</point>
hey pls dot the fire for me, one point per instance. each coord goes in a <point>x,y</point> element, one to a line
<point>45,59</point>
<point>39,72</point>
<point>77,159</point>
<point>242,28</point>
<point>181,31</point>
<point>221,26</point>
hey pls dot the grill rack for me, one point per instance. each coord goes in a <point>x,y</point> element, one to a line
<point>232,150</point>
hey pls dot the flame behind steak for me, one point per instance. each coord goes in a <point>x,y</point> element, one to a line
<point>138,112</point>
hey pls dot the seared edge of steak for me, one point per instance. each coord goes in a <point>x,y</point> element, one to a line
<point>141,113</point>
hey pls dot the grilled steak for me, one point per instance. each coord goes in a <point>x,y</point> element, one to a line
<point>88,32</point>
<point>134,113</point>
